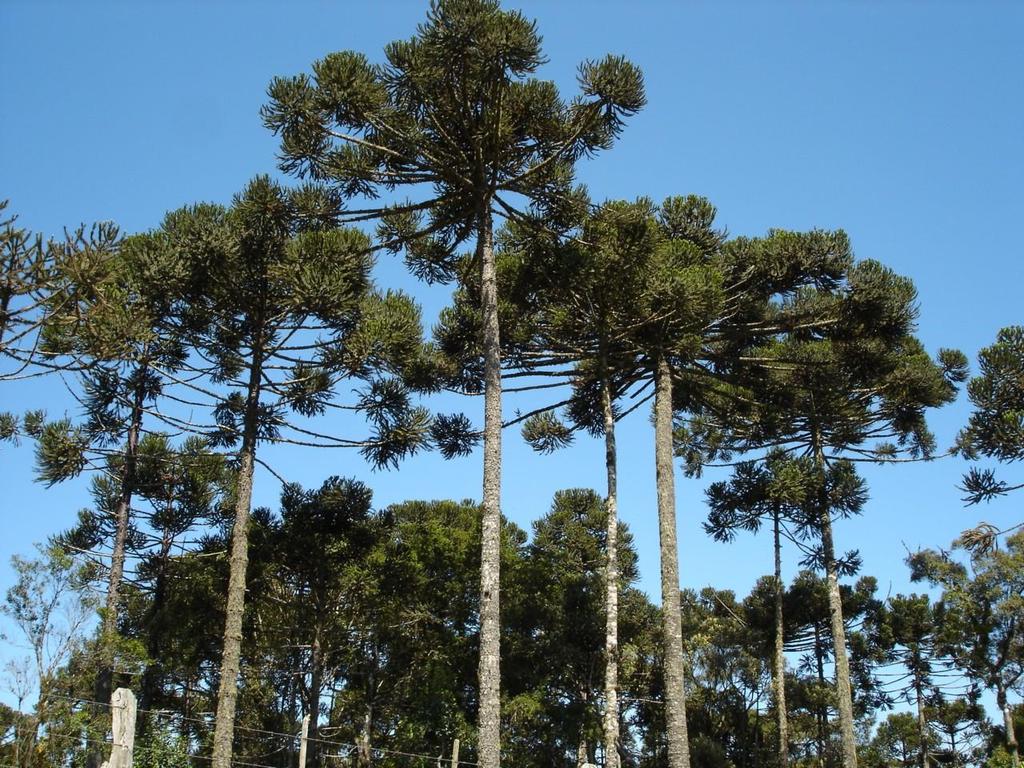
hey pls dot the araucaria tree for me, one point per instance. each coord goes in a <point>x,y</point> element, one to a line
<point>638,290</point>
<point>455,116</point>
<point>283,309</point>
<point>113,314</point>
<point>774,491</point>
<point>850,383</point>
<point>659,303</point>
<point>577,299</point>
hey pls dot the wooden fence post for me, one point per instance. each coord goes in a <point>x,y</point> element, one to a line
<point>302,742</point>
<point>455,753</point>
<point>123,709</point>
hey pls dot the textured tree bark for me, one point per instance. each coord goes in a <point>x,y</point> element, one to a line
<point>489,755</point>
<point>779,658</point>
<point>227,694</point>
<point>582,752</point>
<point>675,697</point>
<point>104,685</point>
<point>844,692</point>
<point>1011,736</point>
<point>124,710</point>
<point>611,637</point>
<point>364,756</point>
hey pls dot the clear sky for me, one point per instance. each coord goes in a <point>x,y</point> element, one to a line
<point>901,123</point>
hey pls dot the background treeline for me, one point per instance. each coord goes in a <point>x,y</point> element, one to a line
<point>191,349</point>
<point>371,617</point>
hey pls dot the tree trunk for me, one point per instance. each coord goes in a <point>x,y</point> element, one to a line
<point>675,697</point>
<point>364,756</point>
<point>822,713</point>
<point>582,754</point>
<point>779,658</point>
<point>316,684</point>
<point>227,694</point>
<point>490,555</point>
<point>922,721</point>
<point>104,684</point>
<point>1011,736</point>
<point>844,692</point>
<point>611,637</point>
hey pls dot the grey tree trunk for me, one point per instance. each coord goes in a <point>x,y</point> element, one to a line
<point>611,637</point>
<point>779,657</point>
<point>364,753</point>
<point>489,755</point>
<point>227,694</point>
<point>1011,736</point>
<point>844,692</point>
<point>675,697</point>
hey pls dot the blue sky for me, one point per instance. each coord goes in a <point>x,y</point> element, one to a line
<point>898,122</point>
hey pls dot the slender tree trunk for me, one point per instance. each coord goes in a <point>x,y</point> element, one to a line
<point>26,757</point>
<point>675,697</point>
<point>104,684</point>
<point>312,709</point>
<point>490,556</point>
<point>365,754</point>
<point>779,657</point>
<point>1011,736</point>
<point>844,692</point>
<point>822,714</point>
<point>186,712</point>
<point>227,694</point>
<point>582,754</point>
<point>611,637</point>
<point>922,721</point>
<point>316,684</point>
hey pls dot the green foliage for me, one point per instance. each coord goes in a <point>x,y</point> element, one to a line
<point>995,428</point>
<point>779,486</point>
<point>897,742</point>
<point>545,433</point>
<point>982,605</point>
<point>454,107</point>
<point>60,452</point>
<point>555,626</point>
<point>161,747</point>
<point>842,358</point>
